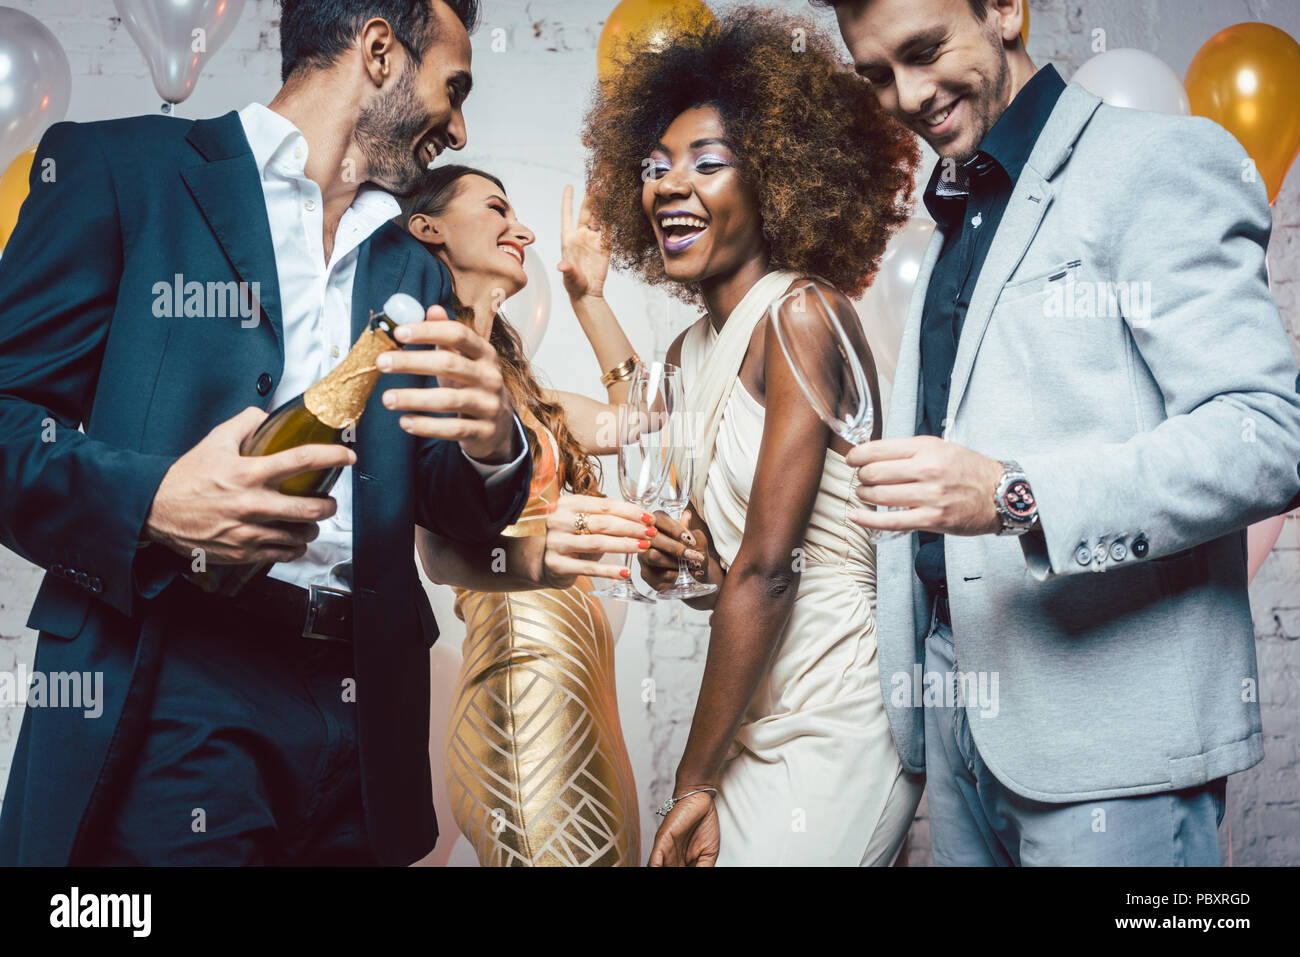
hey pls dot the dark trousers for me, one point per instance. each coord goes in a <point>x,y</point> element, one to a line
<point>250,754</point>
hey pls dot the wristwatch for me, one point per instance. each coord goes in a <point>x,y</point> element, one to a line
<point>1014,500</point>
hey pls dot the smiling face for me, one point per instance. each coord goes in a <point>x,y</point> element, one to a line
<point>704,216</point>
<point>417,113</point>
<point>478,237</point>
<point>937,69</point>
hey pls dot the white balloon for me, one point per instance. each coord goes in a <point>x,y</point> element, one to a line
<point>1134,79</point>
<point>883,310</point>
<point>178,37</point>
<point>529,310</point>
<point>35,83</point>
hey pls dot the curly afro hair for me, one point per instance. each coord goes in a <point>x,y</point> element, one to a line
<point>832,171</point>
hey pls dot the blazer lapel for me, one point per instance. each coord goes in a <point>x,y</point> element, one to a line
<point>1024,214</point>
<point>381,264</point>
<point>227,188</point>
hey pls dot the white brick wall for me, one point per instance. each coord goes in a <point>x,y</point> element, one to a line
<point>524,119</point>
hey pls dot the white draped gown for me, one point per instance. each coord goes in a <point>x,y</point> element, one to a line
<point>812,777</point>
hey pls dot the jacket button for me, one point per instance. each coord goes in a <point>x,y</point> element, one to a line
<point>264,383</point>
<point>1140,547</point>
<point>1083,554</point>
<point>1119,551</point>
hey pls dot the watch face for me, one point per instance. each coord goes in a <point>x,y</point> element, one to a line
<point>1020,499</point>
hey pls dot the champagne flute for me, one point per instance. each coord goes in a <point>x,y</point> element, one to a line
<point>676,495</point>
<point>642,452</point>
<point>828,358</point>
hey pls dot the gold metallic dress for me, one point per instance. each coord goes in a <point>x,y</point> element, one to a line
<point>537,771</point>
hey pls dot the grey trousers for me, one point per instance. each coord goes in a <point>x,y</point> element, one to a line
<point>976,821</point>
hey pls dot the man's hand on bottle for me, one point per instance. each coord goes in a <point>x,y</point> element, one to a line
<point>470,387</point>
<point>231,506</point>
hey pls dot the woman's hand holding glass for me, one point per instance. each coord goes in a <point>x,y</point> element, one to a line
<point>582,529</point>
<point>643,451</point>
<point>676,543</point>
<point>673,499</point>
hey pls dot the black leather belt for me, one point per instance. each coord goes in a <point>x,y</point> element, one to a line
<point>315,612</point>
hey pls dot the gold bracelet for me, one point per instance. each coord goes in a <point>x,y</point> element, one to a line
<point>621,371</point>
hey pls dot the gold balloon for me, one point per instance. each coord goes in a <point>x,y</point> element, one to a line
<point>1247,79</point>
<point>13,190</point>
<point>636,25</point>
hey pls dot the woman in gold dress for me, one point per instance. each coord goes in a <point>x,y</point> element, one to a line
<point>537,771</point>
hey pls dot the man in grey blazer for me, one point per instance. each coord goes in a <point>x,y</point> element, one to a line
<point>1095,397</point>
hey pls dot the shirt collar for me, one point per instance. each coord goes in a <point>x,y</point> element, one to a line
<point>1016,131</point>
<point>272,137</point>
<point>1007,145</point>
<point>278,144</point>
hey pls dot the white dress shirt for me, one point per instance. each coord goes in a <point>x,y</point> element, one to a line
<point>316,310</point>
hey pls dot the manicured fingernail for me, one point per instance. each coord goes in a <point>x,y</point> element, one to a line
<point>625,573</point>
<point>694,558</point>
<point>651,532</point>
<point>390,399</point>
<point>643,545</point>
<point>385,361</point>
<point>403,333</point>
<point>647,518</point>
<point>688,538</point>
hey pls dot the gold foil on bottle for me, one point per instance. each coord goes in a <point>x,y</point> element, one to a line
<point>339,399</point>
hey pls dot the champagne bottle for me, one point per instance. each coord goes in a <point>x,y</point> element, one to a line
<point>327,413</point>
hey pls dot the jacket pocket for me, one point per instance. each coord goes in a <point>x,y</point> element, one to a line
<point>1041,283</point>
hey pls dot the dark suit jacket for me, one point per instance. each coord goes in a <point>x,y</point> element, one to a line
<point>115,208</point>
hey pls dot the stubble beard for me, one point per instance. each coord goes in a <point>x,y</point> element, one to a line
<point>991,95</point>
<point>386,133</point>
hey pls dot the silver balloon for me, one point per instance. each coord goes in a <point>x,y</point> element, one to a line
<point>35,83</point>
<point>529,310</point>
<point>883,309</point>
<point>178,37</point>
<point>1134,79</point>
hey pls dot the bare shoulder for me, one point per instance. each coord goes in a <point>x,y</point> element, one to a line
<point>827,289</point>
<point>674,356</point>
<point>835,299</point>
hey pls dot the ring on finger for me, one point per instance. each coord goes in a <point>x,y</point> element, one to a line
<point>580,524</point>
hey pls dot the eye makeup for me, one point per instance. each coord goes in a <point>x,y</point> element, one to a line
<point>657,165</point>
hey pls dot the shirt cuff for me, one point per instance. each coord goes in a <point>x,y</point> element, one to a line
<point>495,474</point>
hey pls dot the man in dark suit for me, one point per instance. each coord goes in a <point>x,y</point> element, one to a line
<point>287,724</point>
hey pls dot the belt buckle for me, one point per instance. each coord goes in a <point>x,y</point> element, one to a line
<point>313,593</point>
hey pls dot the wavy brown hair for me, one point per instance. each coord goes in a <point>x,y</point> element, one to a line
<point>832,171</point>
<point>581,472</point>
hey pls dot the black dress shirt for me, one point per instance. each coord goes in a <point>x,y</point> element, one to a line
<point>967,202</point>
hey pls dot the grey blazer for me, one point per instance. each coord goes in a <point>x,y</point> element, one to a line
<point>1122,346</point>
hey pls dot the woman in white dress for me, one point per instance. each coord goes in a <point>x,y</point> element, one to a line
<point>765,163</point>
